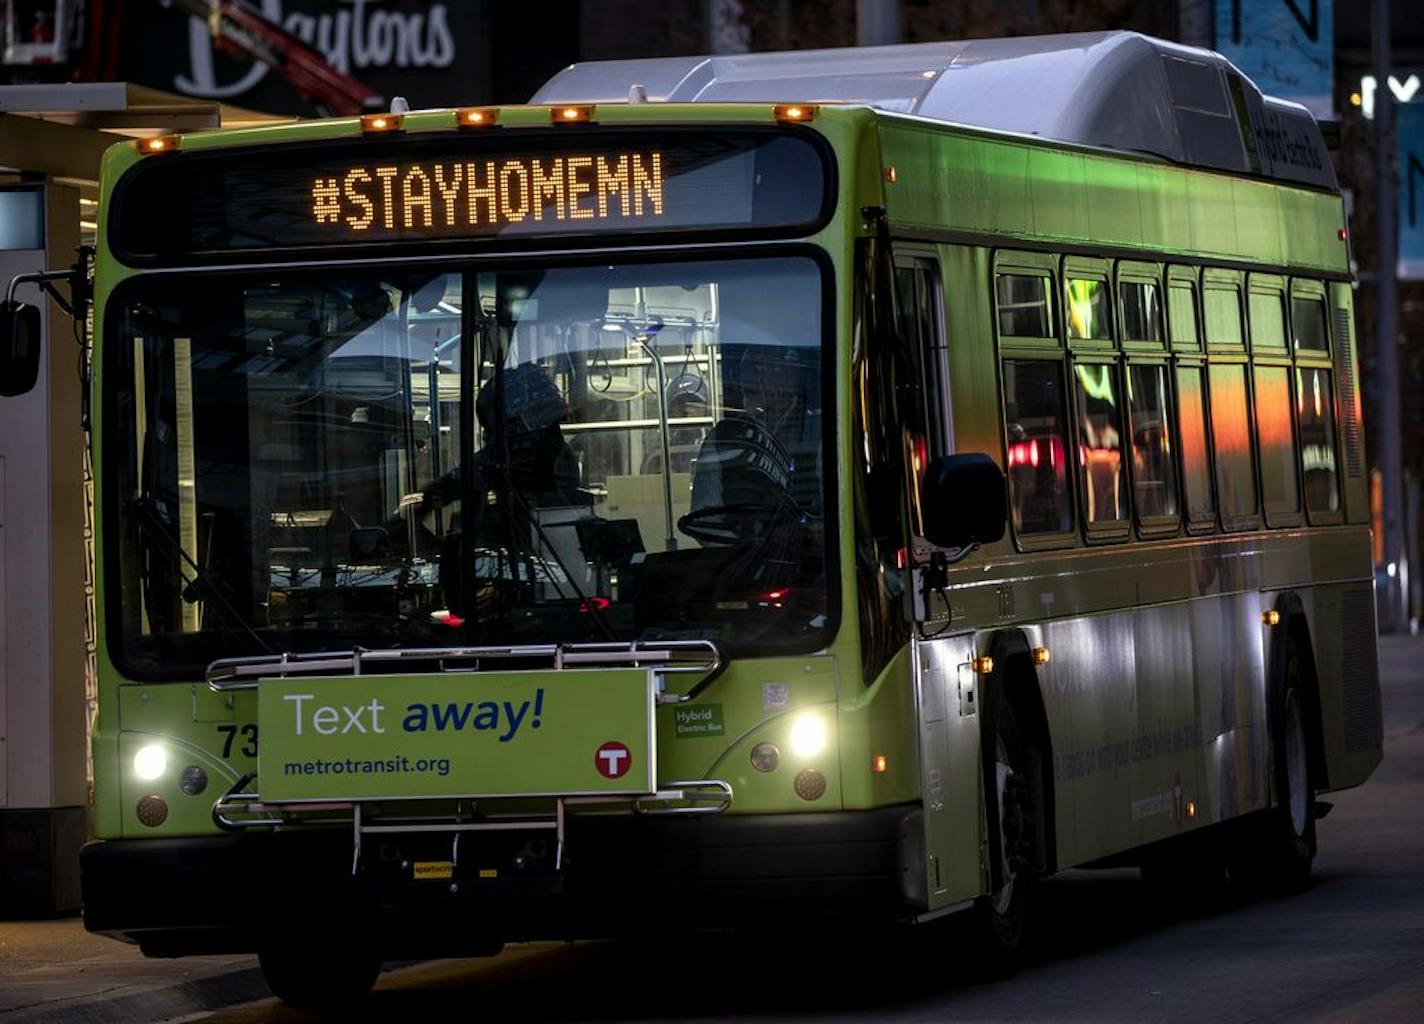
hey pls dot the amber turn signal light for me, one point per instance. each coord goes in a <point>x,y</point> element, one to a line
<point>573,114</point>
<point>158,144</point>
<point>794,111</point>
<point>476,117</point>
<point>374,124</point>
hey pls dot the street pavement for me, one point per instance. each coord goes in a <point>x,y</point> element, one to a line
<point>54,972</point>
<point>1349,949</point>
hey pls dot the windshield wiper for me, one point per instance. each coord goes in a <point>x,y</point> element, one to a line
<point>202,587</point>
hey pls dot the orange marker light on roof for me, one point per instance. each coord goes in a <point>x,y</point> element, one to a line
<point>373,124</point>
<point>158,144</point>
<point>476,117</point>
<point>794,111</point>
<point>571,114</point>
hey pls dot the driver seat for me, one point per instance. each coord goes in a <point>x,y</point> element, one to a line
<point>742,475</point>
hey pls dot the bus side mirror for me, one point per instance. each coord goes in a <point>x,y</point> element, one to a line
<point>964,501</point>
<point>19,348</point>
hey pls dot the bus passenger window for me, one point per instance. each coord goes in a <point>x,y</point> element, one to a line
<point>1088,309</point>
<point>1196,464</point>
<point>1308,324</point>
<point>1141,311</point>
<point>1024,307</point>
<point>1100,444</point>
<point>1231,434</point>
<point>1154,472</point>
<point>1223,317</point>
<point>1035,419</point>
<point>1182,313</point>
<point>1274,434</point>
<point>1268,320</point>
<point>1315,412</point>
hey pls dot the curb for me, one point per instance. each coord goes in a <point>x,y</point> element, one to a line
<point>185,999</point>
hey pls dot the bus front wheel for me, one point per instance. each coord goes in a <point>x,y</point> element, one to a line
<point>319,976</point>
<point>1001,916</point>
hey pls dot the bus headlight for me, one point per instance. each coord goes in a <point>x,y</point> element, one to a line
<point>151,762</point>
<point>808,735</point>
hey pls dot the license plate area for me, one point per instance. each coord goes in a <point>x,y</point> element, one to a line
<point>466,858</point>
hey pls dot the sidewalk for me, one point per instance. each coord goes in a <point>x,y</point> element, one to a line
<point>54,972</point>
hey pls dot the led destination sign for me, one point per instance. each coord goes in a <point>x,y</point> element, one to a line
<point>505,185</point>
<point>472,197</point>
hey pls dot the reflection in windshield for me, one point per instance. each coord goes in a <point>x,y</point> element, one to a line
<point>326,460</point>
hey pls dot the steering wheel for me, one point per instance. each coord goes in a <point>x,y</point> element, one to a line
<point>747,521</point>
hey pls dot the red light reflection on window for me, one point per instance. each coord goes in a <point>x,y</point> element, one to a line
<point>1025,453</point>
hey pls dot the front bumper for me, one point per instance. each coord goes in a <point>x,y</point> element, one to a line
<point>226,893</point>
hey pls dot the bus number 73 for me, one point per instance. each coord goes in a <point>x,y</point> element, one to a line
<point>249,733</point>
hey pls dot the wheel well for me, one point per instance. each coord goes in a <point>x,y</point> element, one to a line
<point>1014,678</point>
<point>1293,635</point>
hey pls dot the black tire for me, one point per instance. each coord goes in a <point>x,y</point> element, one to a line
<point>1294,843</point>
<point>1001,918</point>
<point>324,976</point>
<point>1280,848</point>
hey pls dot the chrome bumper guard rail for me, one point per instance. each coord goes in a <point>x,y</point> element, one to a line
<point>235,811</point>
<point>663,656</point>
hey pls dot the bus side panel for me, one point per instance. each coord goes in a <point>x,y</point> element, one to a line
<point>1342,633</point>
<point>1088,688</point>
<point>1152,709</point>
<point>1167,773</point>
<point>1230,669</point>
<point>948,692</point>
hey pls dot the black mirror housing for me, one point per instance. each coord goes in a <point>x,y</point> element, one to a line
<point>964,501</point>
<point>19,348</point>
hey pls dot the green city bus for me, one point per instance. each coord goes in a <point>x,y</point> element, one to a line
<point>846,485</point>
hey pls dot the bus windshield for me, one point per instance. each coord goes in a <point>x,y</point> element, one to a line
<point>326,459</point>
